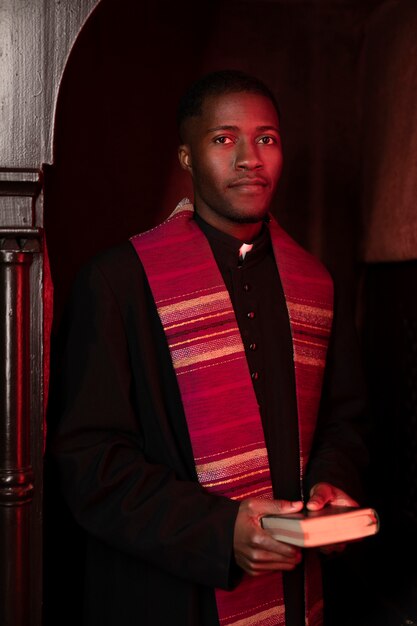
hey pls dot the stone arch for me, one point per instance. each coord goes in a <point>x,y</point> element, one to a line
<point>36,38</point>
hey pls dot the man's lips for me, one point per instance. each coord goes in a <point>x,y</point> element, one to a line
<point>249,182</point>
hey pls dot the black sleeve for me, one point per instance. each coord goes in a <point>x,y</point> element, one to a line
<point>339,455</point>
<point>115,491</point>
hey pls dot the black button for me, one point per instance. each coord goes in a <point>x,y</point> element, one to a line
<point>246,287</point>
<point>255,375</point>
<point>251,315</point>
<point>253,346</point>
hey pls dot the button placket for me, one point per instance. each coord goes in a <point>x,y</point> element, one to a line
<point>250,334</point>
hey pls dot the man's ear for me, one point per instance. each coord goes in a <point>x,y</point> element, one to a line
<point>184,156</point>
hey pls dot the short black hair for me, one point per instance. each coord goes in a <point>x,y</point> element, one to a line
<point>217,84</point>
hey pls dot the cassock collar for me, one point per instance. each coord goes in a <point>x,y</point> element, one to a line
<point>226,248</point>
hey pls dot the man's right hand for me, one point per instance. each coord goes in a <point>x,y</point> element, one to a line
<point>256,552</point>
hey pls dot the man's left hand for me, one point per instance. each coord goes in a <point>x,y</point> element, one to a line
<point>323,494</point>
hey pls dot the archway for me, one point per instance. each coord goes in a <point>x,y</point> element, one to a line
<point>35,38</point>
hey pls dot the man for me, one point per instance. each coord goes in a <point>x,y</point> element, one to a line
<point>190,389</point>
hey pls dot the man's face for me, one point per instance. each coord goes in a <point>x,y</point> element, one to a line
<point>233,152</point>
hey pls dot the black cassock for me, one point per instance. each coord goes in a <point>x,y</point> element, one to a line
<point>157,543</point>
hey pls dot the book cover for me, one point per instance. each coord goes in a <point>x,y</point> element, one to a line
<point>332,524</point>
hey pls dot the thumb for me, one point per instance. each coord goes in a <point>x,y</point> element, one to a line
<point>280,507</point>
<point>320,495</point>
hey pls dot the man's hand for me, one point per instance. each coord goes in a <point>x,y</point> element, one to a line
<point>324,493</point>
<point>321,495</point>
<point>256,552</point>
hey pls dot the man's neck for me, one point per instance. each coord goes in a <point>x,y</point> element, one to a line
<point>242,231</point>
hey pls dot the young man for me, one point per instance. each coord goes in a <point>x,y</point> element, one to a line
<point>201,388</point>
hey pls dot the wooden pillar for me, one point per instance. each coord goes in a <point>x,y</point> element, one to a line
<point>21,400</point>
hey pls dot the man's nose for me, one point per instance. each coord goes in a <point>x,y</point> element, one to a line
<point>247,156</point>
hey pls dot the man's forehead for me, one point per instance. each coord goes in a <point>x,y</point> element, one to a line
<point>229,111</point>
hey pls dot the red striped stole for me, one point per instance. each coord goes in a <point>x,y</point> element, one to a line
<point>214,381</point>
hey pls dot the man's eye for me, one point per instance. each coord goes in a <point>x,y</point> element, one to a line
<point>266,140</point>
<point>222,140</point>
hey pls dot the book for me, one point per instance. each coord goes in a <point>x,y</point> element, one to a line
<point>332,524</point>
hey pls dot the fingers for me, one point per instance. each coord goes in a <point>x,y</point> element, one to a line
<point>282,506</point>
<point>320,495</point>
<point>259,562</point>
<point>256,508</point>
<point>260,542</point>
<point>255,550</point>
<point>324,493</point>
<point>256,560</point>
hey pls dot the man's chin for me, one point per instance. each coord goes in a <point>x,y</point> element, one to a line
<point>248,217</point>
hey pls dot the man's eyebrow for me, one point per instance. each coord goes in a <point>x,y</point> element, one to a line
<point>224,127</point>
<point>259,129</point>
<point>262,129</point>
